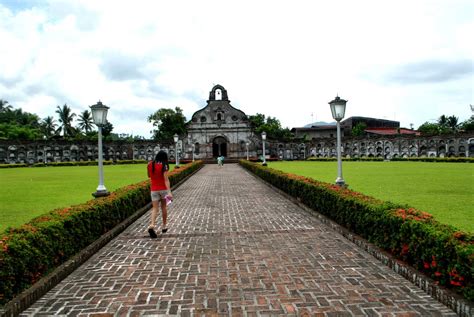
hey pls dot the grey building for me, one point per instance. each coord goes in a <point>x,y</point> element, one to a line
<point>219,129</point>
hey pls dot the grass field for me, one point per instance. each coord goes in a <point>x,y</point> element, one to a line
<point>28,192</point>
<point>445,190</point>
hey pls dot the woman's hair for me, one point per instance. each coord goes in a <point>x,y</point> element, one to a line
<point>161,157</point>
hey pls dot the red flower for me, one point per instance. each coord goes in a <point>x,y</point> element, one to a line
<point>405,249</point>
<point>455,283</point>
<point>437,274</point>
<point>426,265</point>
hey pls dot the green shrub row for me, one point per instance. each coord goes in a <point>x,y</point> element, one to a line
<point>440,251</point>
<point>436,159</point>
<point>78,163</point>
<point>364,159</point>
<point>83,163</point>
<point>31,251</point>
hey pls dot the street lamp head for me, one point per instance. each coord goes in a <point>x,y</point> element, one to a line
<point>264,135</point>
<point>176,138</point>
<point>338,108</point>
<point>99,113</point>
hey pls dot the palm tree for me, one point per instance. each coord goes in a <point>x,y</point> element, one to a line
<point>48,126</point>
<point>452,123</point>
<point>65,119</point>
<point>4,106</point>
<point>85,121</point>
<point>443,121</point>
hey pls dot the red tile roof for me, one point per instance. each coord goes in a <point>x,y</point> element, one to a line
<point>391,131</point>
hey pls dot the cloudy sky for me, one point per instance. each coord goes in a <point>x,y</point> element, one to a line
<point>409,61</point>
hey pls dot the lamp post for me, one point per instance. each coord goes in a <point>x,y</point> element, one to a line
<point>176,138</point>
<point>99,115</point>
<point>247,145</point>
<point>338,108</point>
<point>264,137</point>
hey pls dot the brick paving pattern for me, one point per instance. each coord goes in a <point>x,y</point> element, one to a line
<point>234,247</point>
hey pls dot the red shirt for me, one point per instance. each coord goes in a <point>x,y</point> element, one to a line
<point>157,177</point>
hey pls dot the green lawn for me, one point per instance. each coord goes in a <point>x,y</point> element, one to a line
<point>445,190</point>
<point>28,192</point>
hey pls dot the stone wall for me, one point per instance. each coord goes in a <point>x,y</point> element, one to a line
<point>388,147</point>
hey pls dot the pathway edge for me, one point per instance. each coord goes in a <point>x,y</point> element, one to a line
<point>452,300</point>
<point>26,298</point>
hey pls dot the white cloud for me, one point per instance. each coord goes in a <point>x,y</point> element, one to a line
<point>282,59</point>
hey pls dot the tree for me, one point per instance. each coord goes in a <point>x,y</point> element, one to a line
<point>359,129</point>
<point>18,125</point>
<point>48,127</point>
<point>467,125</point>
<point>429,128</point>
<point>85,121</point>
<point>452,123</point>
<point>107,129</point>
<point>270,125</point>
<point>5,106</point>
<point>65,119</point>
<point>167,122</point>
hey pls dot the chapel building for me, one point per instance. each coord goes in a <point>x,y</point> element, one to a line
<point>220,129</point>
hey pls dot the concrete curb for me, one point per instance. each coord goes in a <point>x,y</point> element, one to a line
<point>445,296</point>
<point>35,292</point>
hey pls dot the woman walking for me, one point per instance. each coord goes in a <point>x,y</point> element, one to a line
<point>160,188</point>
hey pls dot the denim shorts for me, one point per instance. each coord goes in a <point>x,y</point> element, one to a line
<point>158,195</point>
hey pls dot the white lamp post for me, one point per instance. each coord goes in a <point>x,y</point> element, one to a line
<point>99,115</point>
<point>247,145</point>
<point>338,108</point>
<point>176,138</point>
<point>264,137</point>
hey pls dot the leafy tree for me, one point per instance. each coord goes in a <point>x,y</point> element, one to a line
<point>467,125</point>
<point>107,129</point>
<point>359,129</point>
<point>429,128</point>
<point>65,119</point>
<point>167,122</point>
<point>85,121</point>
<point>270,125</point>
<point>18,125</point>
<point>48,127</point>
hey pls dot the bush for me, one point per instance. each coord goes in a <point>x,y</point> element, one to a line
<point>36,248</point>
<point>436,159</point>
<point>440,251</point>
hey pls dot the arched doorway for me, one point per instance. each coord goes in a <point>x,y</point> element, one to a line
<point>219,147</point>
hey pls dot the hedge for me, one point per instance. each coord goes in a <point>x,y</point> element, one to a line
<point>83,163</point>
<point>31,251</point>
<point>76,163</point>
<point>440,251</point>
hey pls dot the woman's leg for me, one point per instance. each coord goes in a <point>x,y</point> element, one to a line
<point>164,214</point>
<point>154,213</point>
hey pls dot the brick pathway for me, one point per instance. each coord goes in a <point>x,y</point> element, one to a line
<point>234,247</point>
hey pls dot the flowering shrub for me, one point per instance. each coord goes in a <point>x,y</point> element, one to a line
<point>440,251</point>
<point>34,249</point>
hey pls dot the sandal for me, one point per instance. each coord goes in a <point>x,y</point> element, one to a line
<point>152,233</point>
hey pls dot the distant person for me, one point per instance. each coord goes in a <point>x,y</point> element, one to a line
<point>160,189</point>
<point>220,160</point>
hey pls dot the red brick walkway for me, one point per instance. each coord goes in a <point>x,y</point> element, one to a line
<point>234,247</point>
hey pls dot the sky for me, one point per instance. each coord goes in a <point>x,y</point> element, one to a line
<point>410,61</point>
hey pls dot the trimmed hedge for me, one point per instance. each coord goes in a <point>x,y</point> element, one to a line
<point>36,248</point>
<point>436,159</point>
<point>440,251</point>
<point>79,163</point>
<point>329,159</point>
